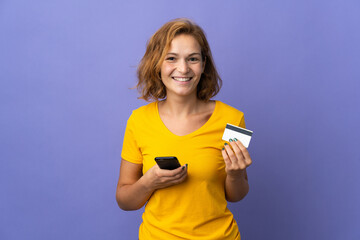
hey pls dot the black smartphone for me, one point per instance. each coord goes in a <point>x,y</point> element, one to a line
<point>168,163</point>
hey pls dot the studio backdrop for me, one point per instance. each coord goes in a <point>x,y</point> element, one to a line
<point>67,69</point>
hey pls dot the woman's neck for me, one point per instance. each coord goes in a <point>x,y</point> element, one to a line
<point>181,107</point>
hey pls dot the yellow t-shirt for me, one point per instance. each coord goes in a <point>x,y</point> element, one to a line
<point>197,208</point>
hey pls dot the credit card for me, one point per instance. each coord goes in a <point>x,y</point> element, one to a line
<point>241,134</point>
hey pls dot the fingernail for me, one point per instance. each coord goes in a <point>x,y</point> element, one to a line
<point>225,144</point>
<point>183,167</point>
<point>235,139</point>
<point>223,149</point>
<point>186,166</point>
<point>230,140</point>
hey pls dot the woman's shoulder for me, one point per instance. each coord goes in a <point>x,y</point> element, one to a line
<point>229,114</point>
<point>145,108</point>
<point>223,107</point>
<point>144,111</point>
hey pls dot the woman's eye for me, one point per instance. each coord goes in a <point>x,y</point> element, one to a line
<point>193,59</point>
<point>170,59</point>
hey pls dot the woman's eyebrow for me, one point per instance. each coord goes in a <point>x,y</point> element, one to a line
<point>195,53</point>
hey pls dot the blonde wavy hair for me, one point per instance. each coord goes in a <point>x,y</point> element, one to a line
<point>149,83</point>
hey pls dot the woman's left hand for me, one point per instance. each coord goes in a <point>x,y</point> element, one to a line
<point>236,157</point>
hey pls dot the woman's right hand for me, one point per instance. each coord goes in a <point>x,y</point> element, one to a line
<point>157,178</point>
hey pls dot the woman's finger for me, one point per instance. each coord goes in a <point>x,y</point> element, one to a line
<point>237,162</point>
<point>225,156</point>
<point>238,153</point>
<point>170,180</point>
<point>244,152</point>
<point>171,173</point>
<point>230,153</point>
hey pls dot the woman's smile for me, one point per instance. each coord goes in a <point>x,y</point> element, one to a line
<point>182,79</point>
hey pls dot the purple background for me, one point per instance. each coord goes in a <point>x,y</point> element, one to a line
<point>293,68</point>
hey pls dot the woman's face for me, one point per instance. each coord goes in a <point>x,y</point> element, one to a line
<point>183,65</point>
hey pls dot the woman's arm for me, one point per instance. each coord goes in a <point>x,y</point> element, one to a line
<point>236,188</point>
<point>131,192</point>
<point>237,159</point>
<point>134,189</point>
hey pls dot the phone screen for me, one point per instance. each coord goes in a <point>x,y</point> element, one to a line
<point>168,163</point>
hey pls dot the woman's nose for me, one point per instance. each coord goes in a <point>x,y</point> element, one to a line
<point>183,66</point>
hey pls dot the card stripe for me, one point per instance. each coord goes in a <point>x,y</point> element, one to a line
<point>239,130</point>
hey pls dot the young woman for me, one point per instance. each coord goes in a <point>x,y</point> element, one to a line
<point>178,76</point>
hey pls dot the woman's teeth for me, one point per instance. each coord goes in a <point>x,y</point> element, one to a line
<point>181,79</point>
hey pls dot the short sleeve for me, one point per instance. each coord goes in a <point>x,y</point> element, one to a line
<point>242,121</point>
<point>131,151</point>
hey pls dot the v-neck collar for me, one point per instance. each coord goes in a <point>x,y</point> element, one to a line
<point>170,133</point>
